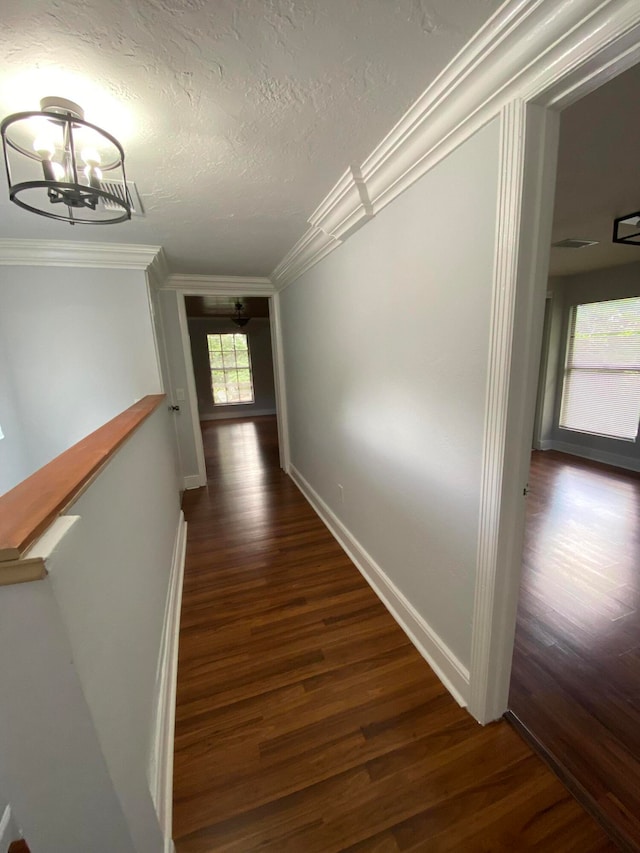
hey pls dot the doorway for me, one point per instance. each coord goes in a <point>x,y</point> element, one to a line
<point>575,685</point>
<point>196,326</point>
<point>231,347</point>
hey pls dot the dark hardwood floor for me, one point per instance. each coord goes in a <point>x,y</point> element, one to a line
<point>306,721</point>
<point>576,667</point>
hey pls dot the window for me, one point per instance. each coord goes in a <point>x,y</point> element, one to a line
<point>231,380</point>
<point>601,391</point>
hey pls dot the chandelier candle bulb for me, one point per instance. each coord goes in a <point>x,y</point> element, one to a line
<point>45,149</point>
<point>90,156</point>
<point>59,173</point>
<point>93,175</point>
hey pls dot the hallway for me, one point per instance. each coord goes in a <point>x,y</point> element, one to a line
<point>306,721</point>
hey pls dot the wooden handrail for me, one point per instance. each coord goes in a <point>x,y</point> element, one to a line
<point>29,508</point>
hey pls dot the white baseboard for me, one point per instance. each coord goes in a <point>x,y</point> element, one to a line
<point>193,481</point>
<point>544,444</point>
<point>244,413</point>
<point>438,655</point>
<point>604,456</point>
<point>8,830</point>
<point>161,763</point>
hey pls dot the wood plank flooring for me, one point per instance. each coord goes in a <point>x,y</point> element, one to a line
<point>576,667</point>
<point>306,721</point>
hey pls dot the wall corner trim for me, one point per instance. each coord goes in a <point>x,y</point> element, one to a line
<point>161,759</point>
<point>549,50</point>
<point>451,672</point>
<point>66,253</point>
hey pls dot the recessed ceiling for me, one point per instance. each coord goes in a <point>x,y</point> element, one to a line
<point>238,116</point>
<point>598,175</point>
<point>224,306</point>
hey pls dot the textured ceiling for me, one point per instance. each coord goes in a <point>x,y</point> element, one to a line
<point>237,116</point>
<point>598,175</point>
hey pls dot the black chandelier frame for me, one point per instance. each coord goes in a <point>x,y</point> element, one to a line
<point>632,239</point>
<point>73,194</point>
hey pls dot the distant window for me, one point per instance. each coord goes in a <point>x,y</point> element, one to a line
<point>231,380</point>
<point>601,390</point>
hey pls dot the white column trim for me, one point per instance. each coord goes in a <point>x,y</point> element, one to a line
<point>512,132</point>
<point>528,147</point>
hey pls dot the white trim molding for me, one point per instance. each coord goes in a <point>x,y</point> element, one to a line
<point>512,135</point>
<point>66,253</point>
<point>280,382</point>
<point>312,247</point>
<point>551,51</point>
<point>194,481</point>
<point>453,674</point>
<point>158,271</point>
<point>161,761</point>
<point>345,208</point>
<point>528,146</point>
<point>8,830</point>
<point>221,285</point>
<point>628,463</point>
<point>231,415</point>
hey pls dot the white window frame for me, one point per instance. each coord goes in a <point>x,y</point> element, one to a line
<point>221,335</point>
<point>569,369</point>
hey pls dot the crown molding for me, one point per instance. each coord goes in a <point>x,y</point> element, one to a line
<point>158,270</point>
<point>66,253</point>
<point>551,52</point>
<point>345,208</point>
<point>224,285</point>
<point>311,248</point>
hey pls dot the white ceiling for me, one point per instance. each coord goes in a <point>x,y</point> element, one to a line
<point>598,175</point>
<point>237,116</point>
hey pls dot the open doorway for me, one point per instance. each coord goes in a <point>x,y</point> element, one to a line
<point>215,369</point>
<point>232,356</point>
<point>575,686</point>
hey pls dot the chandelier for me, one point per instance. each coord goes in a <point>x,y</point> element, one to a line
<point>240,318</point>
<point>626,229</point>
<point>62,167</point>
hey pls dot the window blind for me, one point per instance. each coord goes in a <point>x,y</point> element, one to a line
<point>601,391</point>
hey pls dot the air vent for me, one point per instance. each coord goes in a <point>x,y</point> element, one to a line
<point>133,196</point>
<point>570,243</point>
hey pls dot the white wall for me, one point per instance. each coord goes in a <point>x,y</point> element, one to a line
<point>13,455</point>
<point>78,658</point>
<point>52,769</point>
<point>110,576</point>
<point>259,334</point>
<point>385,346</point>
<point>79,349</point>
<point>609,283</point>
